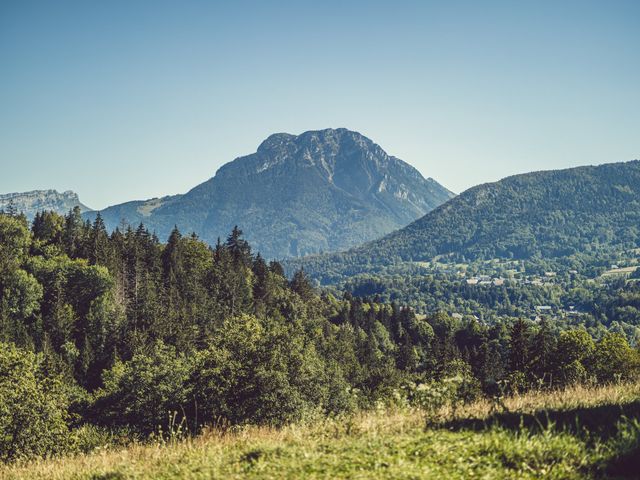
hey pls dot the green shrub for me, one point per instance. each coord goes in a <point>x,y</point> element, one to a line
<point>430,397</point>
<point>571,356</point>
<point>574,372</point>
<point>516,382</point>
<point>263,371</point>
<point>614,360</point>
<point>33,409</point>
<point>144,392</point>
<point>88,437</point>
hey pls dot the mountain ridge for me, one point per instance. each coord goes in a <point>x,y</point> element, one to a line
<point>322,190</point>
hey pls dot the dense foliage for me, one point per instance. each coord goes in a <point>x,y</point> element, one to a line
<point>33,406</point>
<point>600,305</point>
<point>123,332</point>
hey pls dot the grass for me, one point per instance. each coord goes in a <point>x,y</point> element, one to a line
<point>474,441</point>
<point>620,271</point>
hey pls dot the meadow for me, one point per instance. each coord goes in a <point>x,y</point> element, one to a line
<point>580,432</point>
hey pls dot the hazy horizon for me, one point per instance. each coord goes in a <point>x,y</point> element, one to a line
<point>123,101</point>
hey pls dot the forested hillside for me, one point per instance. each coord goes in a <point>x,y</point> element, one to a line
<point>118,336</point>
<point>563,218</point>
<point>319,191</point>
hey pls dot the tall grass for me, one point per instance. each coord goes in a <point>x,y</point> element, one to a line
<point>385,443</point>
<point>576,396</point>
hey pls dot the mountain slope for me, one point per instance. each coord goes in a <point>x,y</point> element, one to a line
<point>550,214</point>
<point>35,201</point>
<point>319,191</point>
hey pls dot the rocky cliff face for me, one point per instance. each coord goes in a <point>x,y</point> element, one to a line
<point>35,201</point>
<point>319,191</point>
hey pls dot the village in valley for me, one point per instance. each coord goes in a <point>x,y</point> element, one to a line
<point>514,274</point>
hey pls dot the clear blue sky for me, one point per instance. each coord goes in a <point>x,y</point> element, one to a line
<point>122,100</point>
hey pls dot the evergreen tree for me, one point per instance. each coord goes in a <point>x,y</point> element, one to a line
<point>542,347</point>
<point>74,233</point>
<point>261,281</point>
<point>519,346</point>
<point>12,210</point>
<point>99,247</point>
<point>239,247</point>
<point>301,285</point>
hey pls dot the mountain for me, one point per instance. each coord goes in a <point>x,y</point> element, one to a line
<point>35,201</point>
<point>298,194</point>
<point>561,215</point>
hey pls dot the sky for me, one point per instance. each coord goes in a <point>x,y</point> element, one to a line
<point>125,100</point>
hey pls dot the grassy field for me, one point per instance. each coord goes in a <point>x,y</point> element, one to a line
<point>578,433</point>
<point>620,271</point>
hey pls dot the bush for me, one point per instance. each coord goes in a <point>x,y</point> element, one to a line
<point>144,392</point>
<point>263,371</point>
<point>430,397</point>
<point>88,438</point>
<point>614,360</point>
<point>457,387</point>
<point>516,383</point>
<point>574,372</point>
<point>33,409</point>
<point>571,356</point>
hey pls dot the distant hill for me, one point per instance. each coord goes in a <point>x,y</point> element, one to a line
<point>298,194</point>
<point>558,214</point>
<point>35,201</point>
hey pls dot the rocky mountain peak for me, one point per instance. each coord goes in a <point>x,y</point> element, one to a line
<point>322,190</point>
<point>35,201</point>
<point>275,141</point>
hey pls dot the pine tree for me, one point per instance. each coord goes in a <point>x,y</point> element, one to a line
<point>276,268</point>
<point>542,347</point>
<point>12,210</point>
<point>239,247</point>
<point>74,233</point>
<point>519,347</point>
<point>261,281</point>
<point>171,258</point>
<point>301,285</point>
<point>99,251</point>
<point>47,228</point>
